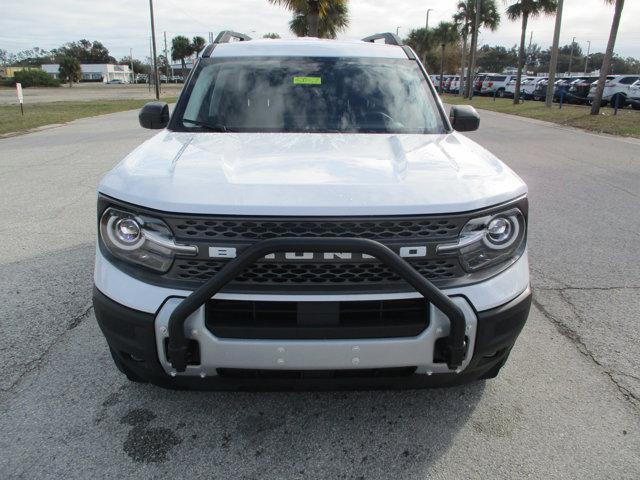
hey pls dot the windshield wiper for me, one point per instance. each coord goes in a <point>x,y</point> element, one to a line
<point>214,127</point>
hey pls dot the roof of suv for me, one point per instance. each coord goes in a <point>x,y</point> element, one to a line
<point>308,47</point>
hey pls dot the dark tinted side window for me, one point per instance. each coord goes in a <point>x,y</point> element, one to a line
<point>628,80</point>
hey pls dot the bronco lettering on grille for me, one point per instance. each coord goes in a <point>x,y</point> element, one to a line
<point>405,252</point>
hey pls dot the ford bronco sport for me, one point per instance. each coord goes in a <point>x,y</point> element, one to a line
<point>308,215</point>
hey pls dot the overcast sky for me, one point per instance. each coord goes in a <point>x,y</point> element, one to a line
<point>124,24</point>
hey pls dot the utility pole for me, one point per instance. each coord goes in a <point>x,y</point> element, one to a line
<point>426,26</point>
<point>571,54</point>
<point>554,55</point>
<point>150,66</point>
<point>441,67</point>
<point>529,59</point>
<point>133,74</point>
<point>586,62</point>
<point>397,30</point>
<point>153,48</point>
<point>166,57</point>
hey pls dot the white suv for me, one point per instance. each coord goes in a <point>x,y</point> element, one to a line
<point>496,84</point>
<point>308,214</point>
<point>634,95</point>
<point>616,89</point>
<point>510,89</point>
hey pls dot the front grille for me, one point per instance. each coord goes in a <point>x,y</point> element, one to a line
<point>374,228</point>
<point>314,273</point>
<point>317,320</point>
<point>271,275</point>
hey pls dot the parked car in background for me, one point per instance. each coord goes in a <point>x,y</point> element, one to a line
<point>115,81</point>
<point>528,87</point>
<point>579,90</point>
<point>477,83</point>
<point>447,82</point>
<point>141,78</point>
<point>454,86</point>
<point>510,89</point>
<point>540,90</point>
<point>436,82</point>
<point>616,89</point>
<point>495,85</point>
<point>634,95</point>
<point>457,84</point>
<point>562,87</point>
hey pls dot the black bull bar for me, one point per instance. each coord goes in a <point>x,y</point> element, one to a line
<point>455,347</point>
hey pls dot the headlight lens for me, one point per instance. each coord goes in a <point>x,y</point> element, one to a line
<point>490,240</point>
<point>128,231</point>
<point>137,239</point>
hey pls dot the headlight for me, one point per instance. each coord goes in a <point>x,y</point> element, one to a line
<point>140,239</point>
<point>489,240</point>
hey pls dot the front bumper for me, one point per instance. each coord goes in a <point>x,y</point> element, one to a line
<point>136,341</point>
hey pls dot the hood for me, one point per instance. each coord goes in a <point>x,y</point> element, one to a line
<point>311,174</point>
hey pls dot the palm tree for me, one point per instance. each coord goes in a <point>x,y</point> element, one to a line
<point>462,20</point>
<point>606,62</point>
<point>316,18</point>
<point>526,9</point>
<point>424,41</point>
<point>70,69</point>
<point>181,48</point>
<point>334,20</point>
<point>446,33</point>
<point>465,18</point>
<point>197,44</point>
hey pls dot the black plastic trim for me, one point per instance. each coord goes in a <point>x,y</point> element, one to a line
<point>130,333</point>
<point>455,344</point>
<point>388,37</point>
<point>409,52</point>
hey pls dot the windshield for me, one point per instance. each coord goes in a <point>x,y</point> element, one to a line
<point>274,94</point>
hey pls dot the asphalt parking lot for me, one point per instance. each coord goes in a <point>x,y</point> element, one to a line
<point>567,405</point>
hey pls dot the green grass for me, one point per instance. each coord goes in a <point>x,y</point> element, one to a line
<point>40,114</point>
<point>626,123</point>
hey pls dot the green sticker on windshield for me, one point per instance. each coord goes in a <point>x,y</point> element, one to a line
<point>307,80</point>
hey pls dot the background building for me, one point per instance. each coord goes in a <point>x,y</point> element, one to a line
<point>8,72</point>
<point>98,72</point>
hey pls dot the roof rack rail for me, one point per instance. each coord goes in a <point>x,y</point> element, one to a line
<point>224,37</point>
<point>389,38</point>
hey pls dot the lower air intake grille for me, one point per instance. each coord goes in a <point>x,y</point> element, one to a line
<point>317,320</point>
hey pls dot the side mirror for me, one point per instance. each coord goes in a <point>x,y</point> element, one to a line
<point>464,118</point>
<point>154,115</point>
